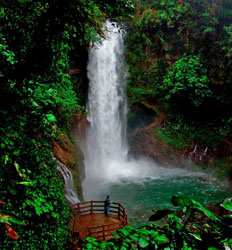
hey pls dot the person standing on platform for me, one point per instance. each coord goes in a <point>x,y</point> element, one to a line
<point>107,204</point>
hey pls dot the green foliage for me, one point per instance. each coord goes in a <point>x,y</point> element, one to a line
<point>179,55</point>
<point>7,219</point>
<point>66,97</point>
<point>227,204</point>
<point>40,41</point>
<point>7,54</point>
<point>50,118</point>
<point>117,8</point>
<point>182,133</point>
<point>192,226</point>
<point>174,138</point>
<point>138,94</point>
<point>226,43</point>
<point>157,38</point>
<point>131,238</point>
<point>186,80</point>
<point>183,202</point>
<point>42,205</point>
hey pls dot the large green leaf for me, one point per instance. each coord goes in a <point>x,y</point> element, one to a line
<point>197,236</point>
<point>183,202</point>
<point>26,183</point>
<point>159,238</point>
<point>143,242</point>
<point>50,118</point>
<point>7,219</point>
<point>227,204</point>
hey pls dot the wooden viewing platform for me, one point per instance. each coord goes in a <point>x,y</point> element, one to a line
<point>89,220</point>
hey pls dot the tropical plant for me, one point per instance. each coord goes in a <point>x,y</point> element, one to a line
<point>186,82</point>
<point>7,220</point>
<point>190,226</point>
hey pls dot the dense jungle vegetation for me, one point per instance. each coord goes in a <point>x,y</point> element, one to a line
<point>39,42</point>
<point>179,58</point>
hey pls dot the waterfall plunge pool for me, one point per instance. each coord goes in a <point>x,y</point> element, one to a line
<point>140,198</point>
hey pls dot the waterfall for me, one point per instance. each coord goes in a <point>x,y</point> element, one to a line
<point>70,194</point>
<point>137,183</point>
<point>106,151</point>
<point>107,105</point>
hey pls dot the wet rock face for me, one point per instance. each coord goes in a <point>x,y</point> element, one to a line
<point>64,151</point>
<point>68,153</point>
<point>144,142</point>
<point>80,124</point>
<point>139,116</point>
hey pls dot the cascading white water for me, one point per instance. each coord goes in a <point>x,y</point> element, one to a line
<point>70,194</point>
<point>107,108</point>
<point>106,143</point>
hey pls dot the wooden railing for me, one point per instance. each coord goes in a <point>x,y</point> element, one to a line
<point>102,232</point>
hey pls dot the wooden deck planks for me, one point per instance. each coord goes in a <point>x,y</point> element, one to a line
<point>89,219</point>
<point>85,224</point>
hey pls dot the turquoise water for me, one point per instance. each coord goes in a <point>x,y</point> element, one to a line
<point>141,198</point>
